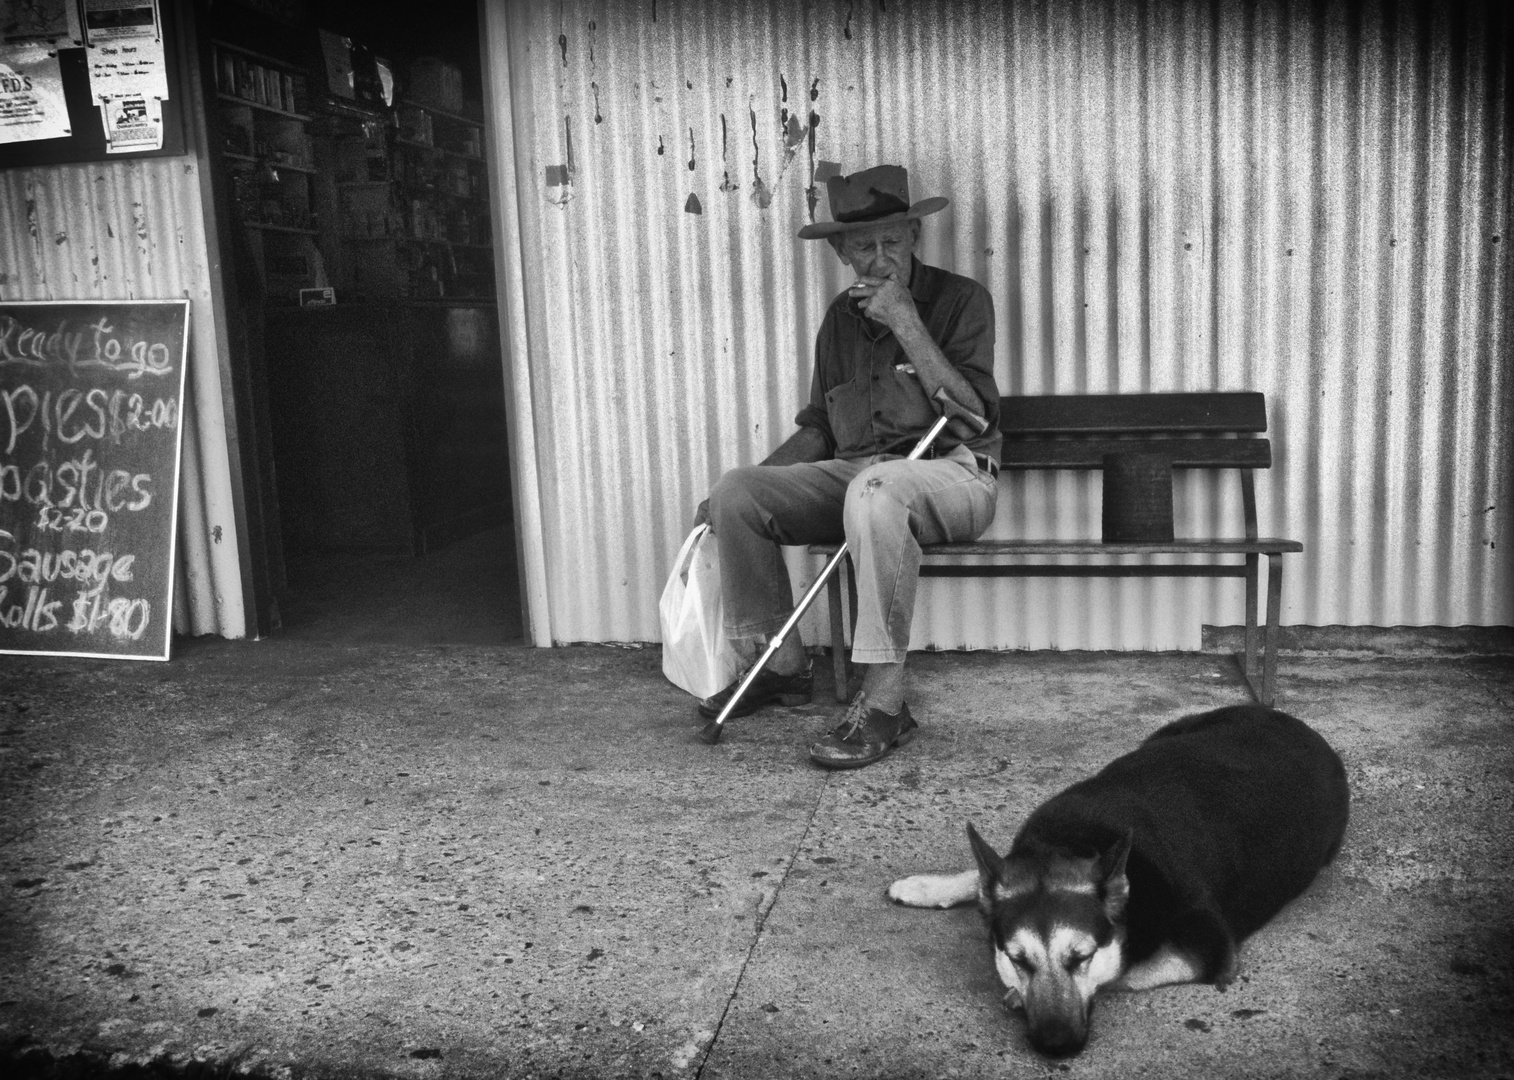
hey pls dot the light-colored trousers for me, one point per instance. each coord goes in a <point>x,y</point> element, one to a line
<point>885,508</point>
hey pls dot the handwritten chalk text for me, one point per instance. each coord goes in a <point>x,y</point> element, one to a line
<point>91,347</point>
<point>71,416</point>
<point>77,484</point>
<point>38,572</point>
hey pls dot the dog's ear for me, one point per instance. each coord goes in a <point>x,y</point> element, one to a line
<point>1115,886</point>
<point>990,865</point>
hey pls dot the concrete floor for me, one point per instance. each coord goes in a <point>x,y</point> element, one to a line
<point>318,858</point>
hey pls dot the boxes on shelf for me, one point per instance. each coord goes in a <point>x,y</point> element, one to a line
<point>415,125</point>
<point>361,154</point>
<point>437,82</point>
<point>369,213</point>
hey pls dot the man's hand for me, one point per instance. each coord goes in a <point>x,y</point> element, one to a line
<point>886,301</point>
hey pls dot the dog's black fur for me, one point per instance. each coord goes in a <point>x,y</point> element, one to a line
<point>1230,815</point>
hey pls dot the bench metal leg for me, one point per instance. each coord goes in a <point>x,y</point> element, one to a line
<point>1248,665</point>
<point>838,631</point>
<point>1274,617</point>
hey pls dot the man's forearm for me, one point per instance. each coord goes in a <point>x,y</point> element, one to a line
<point>806,444</point>
<point>934,370</point>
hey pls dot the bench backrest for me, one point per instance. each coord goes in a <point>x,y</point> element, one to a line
<point>1138,439</point>
<point>1077,431</point>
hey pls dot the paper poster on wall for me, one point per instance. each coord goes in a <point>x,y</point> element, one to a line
<point>132,124</point>
<point>124,50</point>
<point>53,21</point>
<point>32,105</point>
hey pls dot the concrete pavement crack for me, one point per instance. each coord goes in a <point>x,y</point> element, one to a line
<point>761,922</point>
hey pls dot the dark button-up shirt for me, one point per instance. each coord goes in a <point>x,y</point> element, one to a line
<point>864,397</point>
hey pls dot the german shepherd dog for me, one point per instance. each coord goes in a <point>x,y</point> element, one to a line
<point>1152,871</point>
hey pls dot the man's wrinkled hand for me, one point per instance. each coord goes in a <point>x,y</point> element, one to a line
<point>886,301</point>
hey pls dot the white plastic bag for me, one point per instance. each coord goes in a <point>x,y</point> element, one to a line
<point>696,655</point>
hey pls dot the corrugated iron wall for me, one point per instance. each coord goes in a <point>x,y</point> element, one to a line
<point>1310,200</point>
<point>134,230</point>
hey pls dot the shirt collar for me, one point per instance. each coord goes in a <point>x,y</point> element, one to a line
<point>919,281</point>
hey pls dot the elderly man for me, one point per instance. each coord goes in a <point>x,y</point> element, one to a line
<point>902,332</point>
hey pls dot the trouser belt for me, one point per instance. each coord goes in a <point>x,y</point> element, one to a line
<point>985,462</point>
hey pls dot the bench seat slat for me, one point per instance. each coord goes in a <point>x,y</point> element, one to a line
<point>1260,546</point>
<point>1089,570</point>
<point>1100,414</point>
<point>1185,453</point>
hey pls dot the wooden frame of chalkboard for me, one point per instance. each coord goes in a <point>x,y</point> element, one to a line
<point>91,439</point>
<point>87,140</point>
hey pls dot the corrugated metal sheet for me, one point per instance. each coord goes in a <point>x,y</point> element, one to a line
<point>1310,200</point>
<point>134,230</point>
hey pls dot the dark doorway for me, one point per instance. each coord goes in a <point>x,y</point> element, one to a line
<point>354,195</point>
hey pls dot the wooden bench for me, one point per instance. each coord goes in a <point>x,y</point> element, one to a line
<point>1137,440</point>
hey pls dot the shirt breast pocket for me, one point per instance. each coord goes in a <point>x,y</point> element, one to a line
<point>912,410</point>
<point>847,408</point>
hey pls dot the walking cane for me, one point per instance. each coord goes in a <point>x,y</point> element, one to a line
<point>710,733</point>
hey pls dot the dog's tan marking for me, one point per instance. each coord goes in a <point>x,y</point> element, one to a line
<point>1010,976</point>
<point>1164,968</point>
<point>1104,968</point>
<point>935,890</point>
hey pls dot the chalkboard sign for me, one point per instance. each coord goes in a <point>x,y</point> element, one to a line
<point>91,405</point>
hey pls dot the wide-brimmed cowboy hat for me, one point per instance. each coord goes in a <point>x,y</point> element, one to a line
<point>871,197</point>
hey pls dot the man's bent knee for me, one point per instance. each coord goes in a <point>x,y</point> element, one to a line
<point>731,485</point>
<point>732,494</point>
<point>871,503</point>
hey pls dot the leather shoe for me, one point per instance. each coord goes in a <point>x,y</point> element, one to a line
<point>767,687</point>
<point>864,736</point>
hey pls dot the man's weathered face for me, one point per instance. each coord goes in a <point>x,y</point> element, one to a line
<point>880,251</point>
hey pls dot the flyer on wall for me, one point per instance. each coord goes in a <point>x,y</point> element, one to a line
<point>53,21</point>
<point>132,124</point>
<point>31,93</point>
<point>106,20</point>
<point>124,47</point>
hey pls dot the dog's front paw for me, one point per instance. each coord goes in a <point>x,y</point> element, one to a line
<point>911,891</point>
<point>935,890</point>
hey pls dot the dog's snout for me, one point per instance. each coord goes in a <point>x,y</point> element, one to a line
<point>1057,1015</point>
<point>1059,1038</point>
